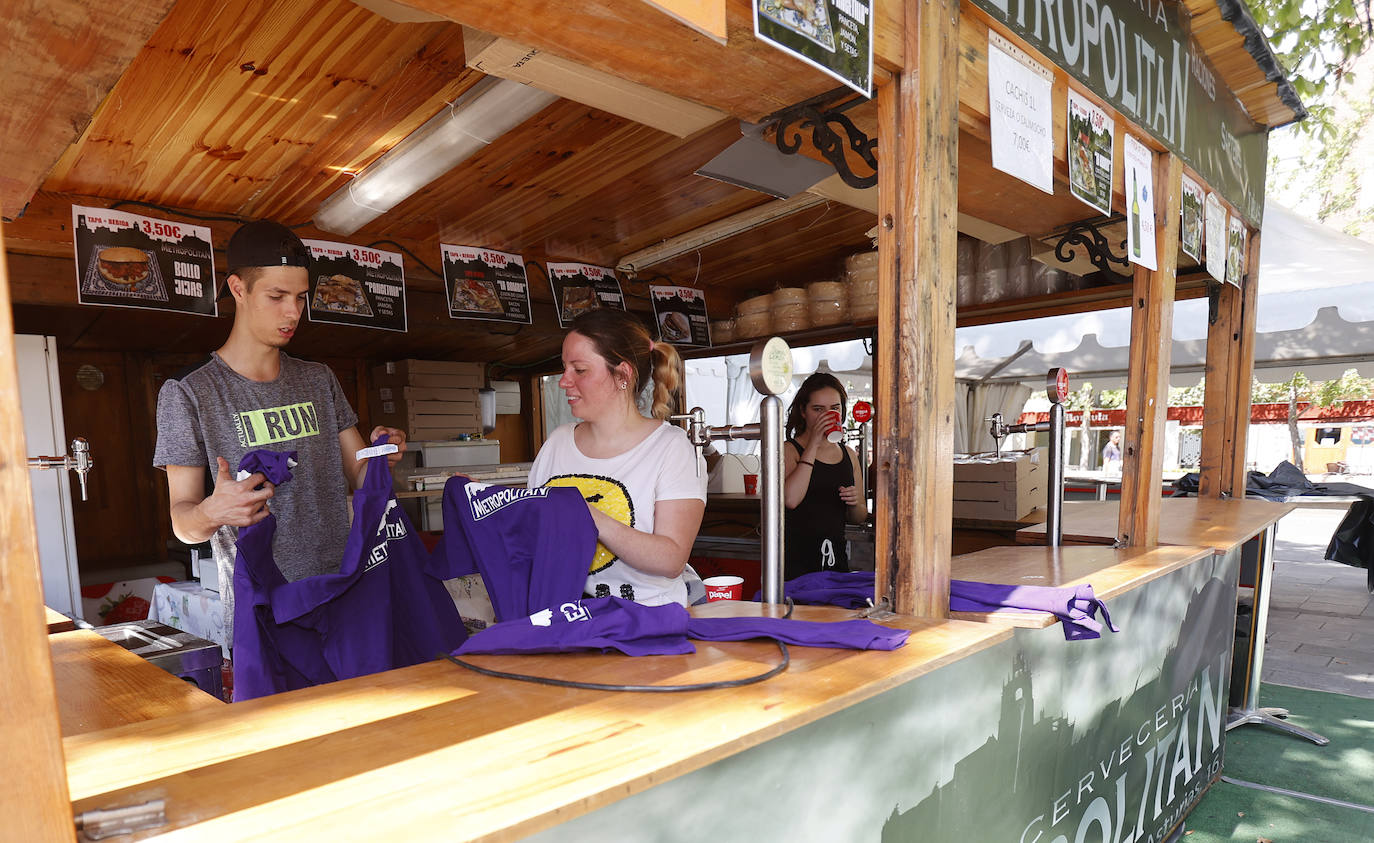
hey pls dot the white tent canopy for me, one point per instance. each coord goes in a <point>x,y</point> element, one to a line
<point>1316,315</point>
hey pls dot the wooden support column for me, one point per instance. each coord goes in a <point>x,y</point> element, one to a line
<point>1147,387</point>
<point>34,800</point>
<point>1244,371</point>
<point>1219,394</point>
<point>918,143</point>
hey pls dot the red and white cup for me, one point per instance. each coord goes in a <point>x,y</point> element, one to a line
<point>832,427</point>
<point>724,588</point>
<point>751,484</point>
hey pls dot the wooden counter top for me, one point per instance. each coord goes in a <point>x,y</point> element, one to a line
<point>435,751</point>
<point>57,622</point>
<point>1200,522</point>
<point>1110,571</point>
<point>101,685</point>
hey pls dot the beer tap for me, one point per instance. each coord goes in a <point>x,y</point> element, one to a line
<point>770,368</point>
<point>1057,388</point>
<point>79,460</point>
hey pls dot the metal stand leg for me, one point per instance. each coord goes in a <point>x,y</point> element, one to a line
<point>1249,713</point>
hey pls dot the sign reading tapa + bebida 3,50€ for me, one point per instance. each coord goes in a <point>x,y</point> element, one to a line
<point>128,260</point>
<point>356,285</point>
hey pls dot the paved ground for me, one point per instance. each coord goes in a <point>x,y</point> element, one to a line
<point>1321,616</point>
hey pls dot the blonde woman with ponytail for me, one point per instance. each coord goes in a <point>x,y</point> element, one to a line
<point>643,480</point>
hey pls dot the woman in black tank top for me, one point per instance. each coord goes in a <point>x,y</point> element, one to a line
<point>819,490</point>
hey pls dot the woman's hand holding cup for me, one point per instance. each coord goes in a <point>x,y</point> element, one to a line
<point>832,427</point>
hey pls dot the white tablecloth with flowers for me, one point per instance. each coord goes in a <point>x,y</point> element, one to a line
<point>190,608</point>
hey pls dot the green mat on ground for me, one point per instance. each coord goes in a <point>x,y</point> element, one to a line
<point>1229,813</point>
<point>1343,769</point>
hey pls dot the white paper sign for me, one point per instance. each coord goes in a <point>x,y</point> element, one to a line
<point>1140,204</point>
<point>1235,252</point>
<point>1022,114</point>
<point>1190,235</point>
<point>1089,145</point>
<point>1216,237</point>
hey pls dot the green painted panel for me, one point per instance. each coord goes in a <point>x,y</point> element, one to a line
<point>1035,739</point>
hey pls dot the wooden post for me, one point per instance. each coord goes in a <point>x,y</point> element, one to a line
<point>1147,386</point>
<point>34,800</point>
<point>1244,371</point>
<point>918,143</point>
<point>1219,399</point>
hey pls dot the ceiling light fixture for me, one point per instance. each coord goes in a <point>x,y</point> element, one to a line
<point>485,112</point>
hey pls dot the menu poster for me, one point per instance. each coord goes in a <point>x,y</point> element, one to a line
<point>1090,152</point>
<point>1022,117</point>
<point>580,287</point>
<point>833,36</point>
<point>127,260</point>
<point>1216,237</point>
<point>1190,238</point>
<point>1140,203</point>
<point>680,313</point>
<point>1235,252</point>
<point>356,285</point>
<point>485,284</point>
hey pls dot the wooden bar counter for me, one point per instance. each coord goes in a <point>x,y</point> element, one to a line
<point>1199,522</point>
<point>101,685</point>
<point>436,751</point>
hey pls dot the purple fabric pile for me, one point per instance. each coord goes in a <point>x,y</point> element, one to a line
<point>1076,606</point>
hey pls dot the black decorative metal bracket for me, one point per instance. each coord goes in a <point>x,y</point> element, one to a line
<point>1098,248</point>
<point>1213,300</point>
<point>820,117</point>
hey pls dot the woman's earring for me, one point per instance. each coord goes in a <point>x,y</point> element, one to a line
<point>622,384</point>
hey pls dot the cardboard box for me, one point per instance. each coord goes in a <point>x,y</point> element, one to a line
<point>425,393</point>
<point>432,373</point>
<point>1005,489</point>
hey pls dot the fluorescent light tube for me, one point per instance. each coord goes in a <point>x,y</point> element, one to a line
<point>485,112</point>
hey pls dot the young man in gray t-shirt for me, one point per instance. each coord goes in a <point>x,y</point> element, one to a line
<point>249,395</point>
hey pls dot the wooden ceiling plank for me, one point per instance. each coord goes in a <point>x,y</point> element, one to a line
<point>59,65</point>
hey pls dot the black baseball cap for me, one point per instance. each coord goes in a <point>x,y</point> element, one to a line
<point>266,243</point>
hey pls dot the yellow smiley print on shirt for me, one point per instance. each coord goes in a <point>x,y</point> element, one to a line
<point>606,494</point>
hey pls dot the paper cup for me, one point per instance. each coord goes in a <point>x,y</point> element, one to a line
<point>751,484</point>
<point>724,588</point>
<point>834,431</point>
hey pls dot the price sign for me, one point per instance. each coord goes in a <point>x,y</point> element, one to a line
<point>680,313</point>
<point>485,284</point>
<point>863,411</point>
<point>127,260</point>
<point>580,287</point>
<point>356,285</point>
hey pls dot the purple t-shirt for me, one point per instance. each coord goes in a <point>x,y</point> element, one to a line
<point>532,546</point>
<point>385,608</point>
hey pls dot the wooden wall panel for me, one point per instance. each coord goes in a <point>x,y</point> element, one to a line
<point>34,800</point>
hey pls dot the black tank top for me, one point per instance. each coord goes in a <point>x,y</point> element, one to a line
<point>814,531</point>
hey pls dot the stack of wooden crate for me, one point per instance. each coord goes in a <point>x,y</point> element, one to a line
<point>998,489</point>
<point>428,399</point>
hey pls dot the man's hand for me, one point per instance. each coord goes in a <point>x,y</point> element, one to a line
<point>394,436</point>
<point>237,503</point>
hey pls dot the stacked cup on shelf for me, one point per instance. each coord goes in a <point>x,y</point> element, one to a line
<point>861,276</point>
<point>791,310</point>
<point>829,303</point>
<point>754,317</point>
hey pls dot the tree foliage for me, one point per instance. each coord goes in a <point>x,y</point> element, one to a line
<point>1317,42</point>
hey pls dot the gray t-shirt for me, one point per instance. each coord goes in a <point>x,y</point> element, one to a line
<point>215,412</point>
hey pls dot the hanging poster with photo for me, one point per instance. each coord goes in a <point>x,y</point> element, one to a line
<point>579,287</point>
<point>1235,252</point>
<point>1140,203</point>
<point>1216,237</point>
<point>833,36</point>
<point>1090,152</point>
<point>1022,118</point>
<point>485,284</point>
<point>128,260</point>
<point>356,285</point>
<point>1190,235</point>
<point>680,313</point>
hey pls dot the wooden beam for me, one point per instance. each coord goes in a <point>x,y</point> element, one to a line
<point>1245,369</point>
<point>1147,386</point>
<point>1219,395</point>
<point>637,42</point>
<point>61,60</point>
<point>918,211</point>
<point>34,802</point>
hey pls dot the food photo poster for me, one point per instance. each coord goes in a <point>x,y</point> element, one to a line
<point>680,314</point>
<point>356,285</point>
<point>129,260</point>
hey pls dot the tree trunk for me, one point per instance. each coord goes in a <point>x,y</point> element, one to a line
<point>1294,436</point>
